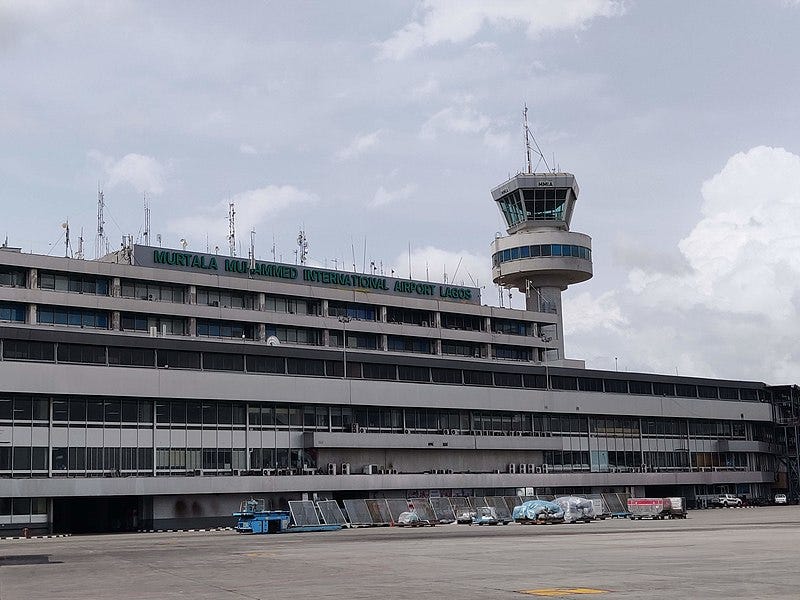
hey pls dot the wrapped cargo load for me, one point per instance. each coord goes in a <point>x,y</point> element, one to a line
<point>408,518</point>
<point>576,509</point>
<point>538,511</point>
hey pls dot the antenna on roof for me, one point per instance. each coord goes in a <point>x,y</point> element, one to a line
<point>232,228</point>
<point>146,232</point>
<point>302,246</point>
<point>67,249</point>
<point>252,254</point>
<point>79,253</point>
<point>100,242</point>
<point>528,137</point>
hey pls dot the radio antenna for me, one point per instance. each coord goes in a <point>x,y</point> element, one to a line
<point>232,228</point>
<point>100,239</point>
<point>528,137</point>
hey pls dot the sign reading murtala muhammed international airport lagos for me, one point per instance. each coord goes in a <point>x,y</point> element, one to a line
<point>193,262</point>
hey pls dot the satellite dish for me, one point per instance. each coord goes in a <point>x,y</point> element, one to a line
<point>273,341</point>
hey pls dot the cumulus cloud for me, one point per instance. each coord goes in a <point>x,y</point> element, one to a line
<point>252,207</point>
<point>247,149</point>
<point>431,263</point>
<point>455,119</point>
<point>454,21</point>
<point>383,197</point>
<point>143,173</point>
<point>734,309</point>
<point>359,145</point>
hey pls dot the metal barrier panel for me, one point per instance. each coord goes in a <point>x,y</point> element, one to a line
<point>397,506</point>
<point>331,513</point>
<point>615,503</point>
<point>513,501</point>
<point>357,512</point>
<point>603,504</point>
<point>499,505</point>
<point>379,511</point>
<point>303,512</point>
<point>476,501</point>
<point>459,504</point>
<point>423,508</point>
<point>443,509</point>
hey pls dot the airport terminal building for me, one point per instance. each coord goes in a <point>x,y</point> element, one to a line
<point>156,388</point>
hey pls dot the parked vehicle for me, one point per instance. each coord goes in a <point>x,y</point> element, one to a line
<point>726,500</point>
<point>648,508</point>
<point>465,516</point>
<point>677,507</point>
<point>487,515</point>
<point>780,498</point>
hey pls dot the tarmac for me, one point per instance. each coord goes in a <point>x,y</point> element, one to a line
<point>722,553</point>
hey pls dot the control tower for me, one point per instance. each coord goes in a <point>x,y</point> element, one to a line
<point>540,256</point>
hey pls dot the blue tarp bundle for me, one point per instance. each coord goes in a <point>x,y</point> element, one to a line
<point>538,510</point>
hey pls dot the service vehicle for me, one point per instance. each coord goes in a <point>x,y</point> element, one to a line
<point>487,515</point>
<point>780,498</point>
<point>648,508</point>
<point>726,500</point>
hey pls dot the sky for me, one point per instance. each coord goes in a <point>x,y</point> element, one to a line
<point>379,129</point>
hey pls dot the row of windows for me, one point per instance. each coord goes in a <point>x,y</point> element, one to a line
<point>75,317</point>
<point>540,250</point>
<point>613,461</point>
<point>153,291</point>
<point>112,411</point>
<point>73,282</point>
<point>81,458</point>
<point>534,205</point>
<point>185,359</point>
<point>12,276</point>
<point>11,312</point>
<point>21,507</point>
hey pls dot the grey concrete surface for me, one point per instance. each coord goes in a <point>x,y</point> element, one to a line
<point>725,553</point>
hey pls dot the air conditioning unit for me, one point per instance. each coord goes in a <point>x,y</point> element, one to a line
<point>393,471</point>
<point>345,470</point>
<point>518,433</point>
<point>523,468</point>
<point>331,468</point>
<point>214,303</point>
<point>153,331</point>
<point>545,468</point>
<point>455,432</point>
<point>406,431</point>
<point>531,468</point>
<point>236,472</point>
<point>362,430</point>
<point>448,471</point>
<point>198,472</point>
<point>496,471</point>
<point>644,468</point>
<point>538,469</point>
<point>512,468</point>
<point>424,323</point>
<point>476,432</point>
<point>354,427</point>
<point>370,469</point>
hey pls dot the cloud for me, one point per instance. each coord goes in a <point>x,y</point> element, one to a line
<point>457,21</point>
<point>431,263</point>
<point>253,207</point>
<point>359,145</point>
<point>732,309</point>
<point>143,173</point>
<point>383,197</point>
<point>455,119</point>
<point>247,149</point>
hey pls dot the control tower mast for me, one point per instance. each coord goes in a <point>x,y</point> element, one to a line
<point>540,256</point>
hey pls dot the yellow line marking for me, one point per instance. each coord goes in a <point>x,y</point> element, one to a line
<point>561,592</point>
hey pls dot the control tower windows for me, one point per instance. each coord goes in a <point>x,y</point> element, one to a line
<point>545,204</point>
<point>512,208</point>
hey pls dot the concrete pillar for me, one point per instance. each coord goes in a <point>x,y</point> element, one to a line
<point>487,324</point>
<point>438,346</point>
<point>384,342</point>
<point>116,320</point>
<point>437,320</point>
<point>262,332</point>
<point>261,301</point>
<point>326,337</point>
<point>31,314</point>
<point>382,310</point>
<point>191,297</point>
<point>33,278</point>
<point>116,288</point>
<point>192,327</point>
<point>325,308</point>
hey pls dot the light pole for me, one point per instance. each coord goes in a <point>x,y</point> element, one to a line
<point>344,320</point>
<point>615,364</point>
<point>546,339</point>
